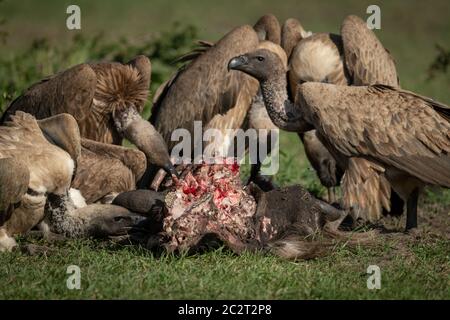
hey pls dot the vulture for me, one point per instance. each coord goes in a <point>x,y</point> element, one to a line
<point>356,57</point>
<point>328,172</point>
<point>204,90</point>
<point>105,170</point>
<point>387,138</point>
<point>106,99</point>
<point>37,164</point>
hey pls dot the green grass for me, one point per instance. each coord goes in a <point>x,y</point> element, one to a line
<point>133,273</point>
<point>38,44</point>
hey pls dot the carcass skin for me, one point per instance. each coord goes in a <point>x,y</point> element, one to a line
<point>209,203</point>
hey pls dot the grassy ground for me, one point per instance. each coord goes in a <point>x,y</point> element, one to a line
<point>38,44</point>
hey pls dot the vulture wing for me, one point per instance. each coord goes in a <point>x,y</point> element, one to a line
<point>268,28</point>
<point>365,189</point>
<point>394,127</point>
<point>317,58</point>
<point>291,33</point>
<point>70,91</point>
<point>132,158</point>
<point>205,88</point>
<point>144,66</point>
<point>14,179</point>
<point>367,61</point>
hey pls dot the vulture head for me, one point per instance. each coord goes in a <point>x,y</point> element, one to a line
<point>261,64</point>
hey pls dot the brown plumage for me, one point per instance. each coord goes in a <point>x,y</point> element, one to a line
<point>42,157</point>
<point>268,28</point>
<point>384,136</point>
<point>49,167</point>
<point>105,170</point>
<point>355,58</point>
<point>291,33</point>
<point>392,138</point>
<point>204,90</point>
<point>105,98</point>
<point>14,180</point>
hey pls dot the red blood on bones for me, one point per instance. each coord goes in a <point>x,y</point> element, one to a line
<point>216,179</point>
<point>209,199</point>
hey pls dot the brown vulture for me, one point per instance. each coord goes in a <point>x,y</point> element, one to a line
<point>385,137</point>
<point>356,57</point>
<point>37,164</point>
<point>204,90</point>
<point>106,99</point>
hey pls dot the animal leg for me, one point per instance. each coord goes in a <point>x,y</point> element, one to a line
<point>411,211</point>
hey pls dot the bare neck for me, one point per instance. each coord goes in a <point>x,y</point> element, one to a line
<point>284,114</point>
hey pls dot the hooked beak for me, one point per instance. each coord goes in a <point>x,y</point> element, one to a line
<point>237,63</point>
<point>170,169</point>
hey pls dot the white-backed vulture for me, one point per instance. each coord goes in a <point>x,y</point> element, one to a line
<point>328,172</point>
<point>105,98</point>
<point>37,165</point>
<point>356,57</point>
<point>386,137</point>
<point>204,90</point>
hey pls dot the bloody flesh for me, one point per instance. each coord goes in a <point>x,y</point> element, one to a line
<point>210,198</point>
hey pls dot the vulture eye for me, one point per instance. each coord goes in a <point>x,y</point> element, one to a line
<point>260,58</point>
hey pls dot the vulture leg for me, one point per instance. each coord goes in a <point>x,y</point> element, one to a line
<point>397,205</point>
<point>411,213</point>
<point>331,195</point>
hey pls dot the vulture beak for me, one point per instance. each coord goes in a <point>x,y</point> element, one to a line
<point>237,63</point>
<point>170,169</point>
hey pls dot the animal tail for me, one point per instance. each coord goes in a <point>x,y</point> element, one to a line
<point>297,247</point>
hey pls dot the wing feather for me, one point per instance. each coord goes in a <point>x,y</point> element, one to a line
<point>391,126</point>
<point>70,91</point>
<point>205,88</point>
<point>365,189</point>
<point>367,61</point>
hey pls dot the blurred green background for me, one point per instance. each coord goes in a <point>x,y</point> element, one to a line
<point>410,29</point>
